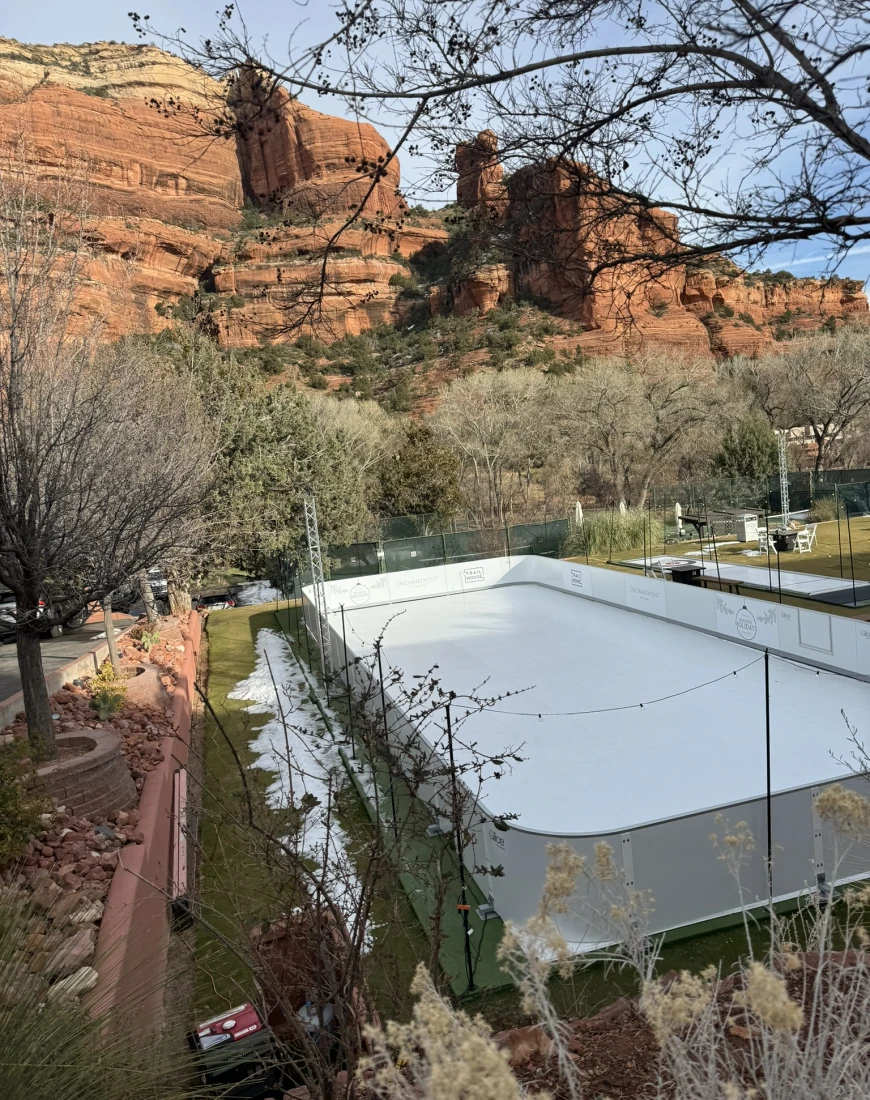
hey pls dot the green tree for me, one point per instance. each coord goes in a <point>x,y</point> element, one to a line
<point>273,448</point>
<point>748,449</point>
<point>420,477</point>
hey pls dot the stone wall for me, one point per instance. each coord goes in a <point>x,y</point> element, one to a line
<point>92,783</point>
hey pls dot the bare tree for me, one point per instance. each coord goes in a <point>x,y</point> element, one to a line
<point>819,381</point>
<point>634,419</point>
<point>102,450</point>
<point>494,423</point>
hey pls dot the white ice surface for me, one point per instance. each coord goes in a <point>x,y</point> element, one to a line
<point>254,592</point>
<point>801,584</point>
<point>300,751</point>
<point>604,772</point>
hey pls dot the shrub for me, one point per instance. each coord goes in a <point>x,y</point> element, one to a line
<point>539,355</point>
<point>107,692</point>
<point>823,509</point>
<point>603,532</point>
<point>724,310</point>
<point>659,309</point>
<point>317,381</point>
<point>107,701</point>
<point>561,367</point>
<point>20,802</point>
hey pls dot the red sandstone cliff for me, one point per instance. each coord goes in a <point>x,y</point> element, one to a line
<point>563,226</point>
<point>175,212</point>
<point>168,201</point>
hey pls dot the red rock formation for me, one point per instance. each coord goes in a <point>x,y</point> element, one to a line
<point>483,290</point>
<point>166,198</point>
<point>301,160</point>
<point>479,184</point>
<point>566,229</point>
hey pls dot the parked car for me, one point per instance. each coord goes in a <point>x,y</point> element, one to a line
<point>9,620</point>
<point>127,595</point>
<point>214,600</point>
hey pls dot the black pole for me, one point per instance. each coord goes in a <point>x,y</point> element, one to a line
<point>386,740</point>
<point>457,833</point>
<point>839,537</point>
<point>779,574</point>
<point>347,681</point>
<point>643,521</point>
<point>767,750</point>
<point>767,540</point>
<point>610,552</point>
<point>715,548</point>
<point>851,559</point>
<point>297,600</point>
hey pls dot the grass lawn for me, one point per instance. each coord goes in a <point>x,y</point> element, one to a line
<point>234,889</point>
<point>824,559</point>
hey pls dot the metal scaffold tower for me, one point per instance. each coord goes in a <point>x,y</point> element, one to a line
<point>315,561</point>
<point>783,476</point>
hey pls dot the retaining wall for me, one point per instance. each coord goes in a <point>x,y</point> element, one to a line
<point>90,784</point>
<point>133,945</point>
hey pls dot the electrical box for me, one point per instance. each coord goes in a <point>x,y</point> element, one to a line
<point>746,527</point>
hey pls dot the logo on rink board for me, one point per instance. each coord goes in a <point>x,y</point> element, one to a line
<point>745,623</point>
<point>473,575</point>
<point>576,578</point>
<point>360,594</point>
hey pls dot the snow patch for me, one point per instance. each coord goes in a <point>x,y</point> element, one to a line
<point>297,747</point>
<point>254,592</point>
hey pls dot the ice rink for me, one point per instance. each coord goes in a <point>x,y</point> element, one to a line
<point>596,761</point>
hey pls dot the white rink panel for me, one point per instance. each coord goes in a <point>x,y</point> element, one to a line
<point>599,772</point>
<point>658,781</point>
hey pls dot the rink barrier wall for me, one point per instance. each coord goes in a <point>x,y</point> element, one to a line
<point>672,859</point>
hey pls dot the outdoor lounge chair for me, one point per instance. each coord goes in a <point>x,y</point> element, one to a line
<point>806,538</point>
<point>766,543</point>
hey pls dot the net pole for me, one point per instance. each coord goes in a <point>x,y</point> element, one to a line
<point>851,558</point>
<point>769,800</point>
<point>839,536</point>
<point>643,523</point>
<point>386,739</point>
<point>460,854</point>
<point>347,681</point>
<point>767,541</point>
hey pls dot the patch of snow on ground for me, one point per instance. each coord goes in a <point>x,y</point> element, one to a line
<point>254,592</point>
<point>296,745</point>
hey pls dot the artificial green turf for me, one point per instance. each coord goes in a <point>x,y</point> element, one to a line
<point>234,888</point>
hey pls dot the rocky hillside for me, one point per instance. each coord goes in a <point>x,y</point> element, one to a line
<point>179,214</point>
<point>236,225</point>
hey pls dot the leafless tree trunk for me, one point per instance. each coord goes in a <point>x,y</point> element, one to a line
<point>109,623</point>
<point>177,592</point>
<point>147,597</point>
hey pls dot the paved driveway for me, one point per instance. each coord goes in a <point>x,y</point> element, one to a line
<point>55,651</point>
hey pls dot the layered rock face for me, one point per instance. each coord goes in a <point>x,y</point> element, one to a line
<point>564,228</point>
<point>305,161</point>
<point>480,183</point>
<point>168,197</point>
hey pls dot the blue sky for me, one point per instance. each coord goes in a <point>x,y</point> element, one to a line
<point>278,24</point>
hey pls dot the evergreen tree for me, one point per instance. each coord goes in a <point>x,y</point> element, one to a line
<point>748,449</point>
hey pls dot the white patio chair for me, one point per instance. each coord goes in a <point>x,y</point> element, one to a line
<point>766,543</point>
<point>805,539</point>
